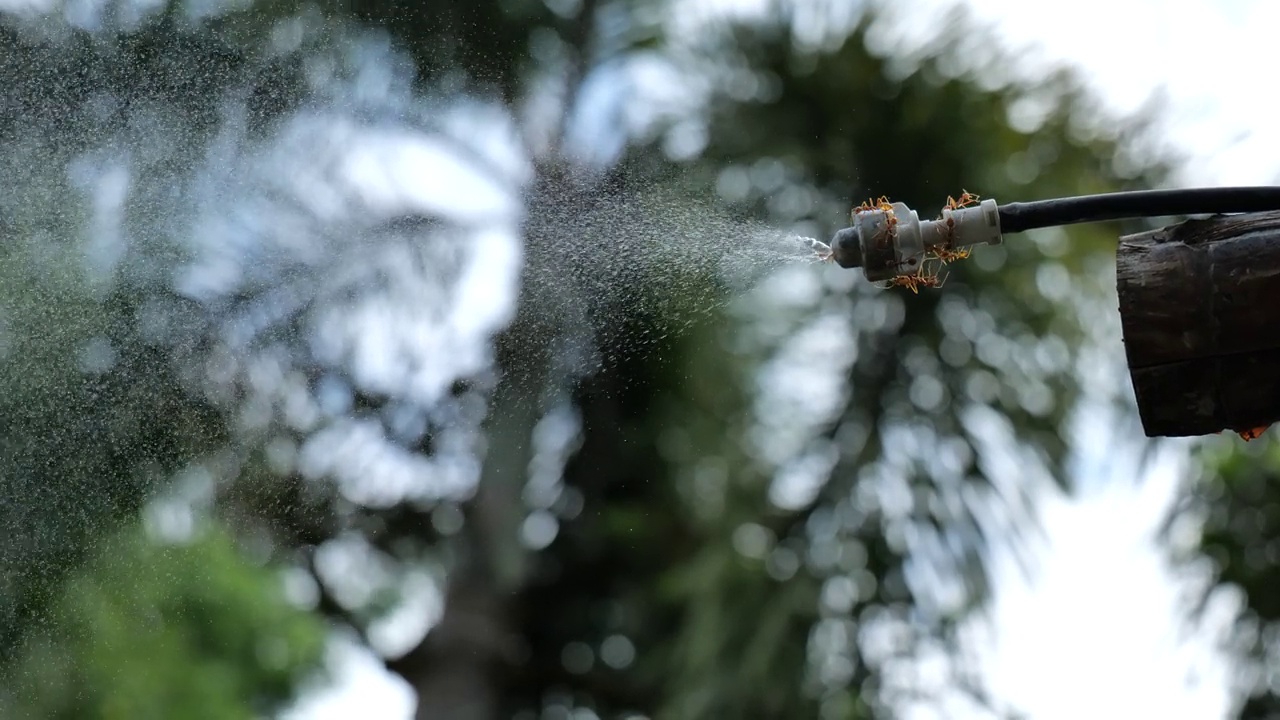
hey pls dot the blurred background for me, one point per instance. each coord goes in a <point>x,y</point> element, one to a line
<point>457,359</point>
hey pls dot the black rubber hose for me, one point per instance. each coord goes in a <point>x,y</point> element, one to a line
<point>1017,217</point>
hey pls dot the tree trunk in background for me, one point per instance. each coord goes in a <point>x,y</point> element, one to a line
<point>462,668</point>
<point>454,670</point>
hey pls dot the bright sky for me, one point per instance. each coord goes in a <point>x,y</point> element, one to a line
<point>1129,49</point>
<point>1095,633</point>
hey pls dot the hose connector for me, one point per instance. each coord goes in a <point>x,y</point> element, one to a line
<point>890,239</point>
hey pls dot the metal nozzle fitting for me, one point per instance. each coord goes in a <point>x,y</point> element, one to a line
<point>892,240</point>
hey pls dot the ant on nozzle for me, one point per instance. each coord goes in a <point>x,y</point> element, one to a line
<point>915,281</point>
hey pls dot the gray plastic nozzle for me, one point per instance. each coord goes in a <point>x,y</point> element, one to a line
<point>846,248</point>
<point>889,242</point>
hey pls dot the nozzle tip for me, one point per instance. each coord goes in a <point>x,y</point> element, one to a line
<point>846,250</point>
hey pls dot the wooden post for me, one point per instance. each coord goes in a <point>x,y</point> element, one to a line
<point>1200,309</point>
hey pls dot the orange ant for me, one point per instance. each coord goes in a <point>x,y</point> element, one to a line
<point>881,203</point>
<point>890,220</point>
<point>918,280</point>
<point>945,255</point>
<point>915,282</point>
<point>890,229</point>
<point>931,281</point>
<point>942,251</point>
<point>868,205</point>
<point>910,282</point>
<point>1252,433</point>
<point>966,199</point>
<point>884,205</point>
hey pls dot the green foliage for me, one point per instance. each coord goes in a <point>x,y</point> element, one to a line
<point>742,610</point>
<point>1234,508</point>
<point>149,629</point>
<point>81,389</point>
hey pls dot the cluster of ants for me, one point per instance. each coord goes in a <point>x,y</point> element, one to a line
<point>936,255</point>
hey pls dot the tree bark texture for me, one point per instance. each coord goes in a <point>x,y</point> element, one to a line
<point>1200,309</point>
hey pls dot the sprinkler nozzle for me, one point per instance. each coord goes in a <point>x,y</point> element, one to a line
<point>887,243</point>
